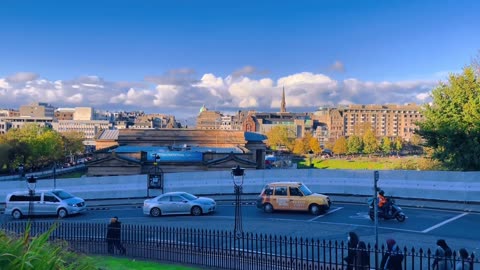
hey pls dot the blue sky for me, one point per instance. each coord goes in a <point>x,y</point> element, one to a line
<point>174,56</point>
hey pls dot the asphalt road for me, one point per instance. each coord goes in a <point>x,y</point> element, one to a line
<point>421,229</point>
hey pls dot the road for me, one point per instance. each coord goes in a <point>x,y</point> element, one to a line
<point>421,229</point>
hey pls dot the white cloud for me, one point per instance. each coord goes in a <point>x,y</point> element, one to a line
<point>175,94</point>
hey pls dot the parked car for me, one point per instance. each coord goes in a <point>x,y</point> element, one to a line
<point>50,202</point>
<point>174,203</point>
<point>292,196</point>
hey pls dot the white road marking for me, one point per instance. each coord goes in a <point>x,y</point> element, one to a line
<point>329,212</point>
<point>444,222</point>
<point>368,226</point>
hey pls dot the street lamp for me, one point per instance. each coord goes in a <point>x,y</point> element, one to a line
<point>237,176</point>
<point>21,170</point>
<point>31,184</point>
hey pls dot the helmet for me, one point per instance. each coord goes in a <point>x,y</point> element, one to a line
<point>381,192</point>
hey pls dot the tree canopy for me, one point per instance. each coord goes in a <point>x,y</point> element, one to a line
<point>452,122</point>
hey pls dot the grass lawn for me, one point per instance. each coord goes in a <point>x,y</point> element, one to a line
<point>113,263</point>
<point>359,163</point>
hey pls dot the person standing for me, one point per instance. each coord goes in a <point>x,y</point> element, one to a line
<point>393,257</point>
<point>352,250</point>
<point>114,233</point>
<point>363,257</point>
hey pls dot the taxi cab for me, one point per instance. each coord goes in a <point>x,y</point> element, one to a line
<point>292,196</point>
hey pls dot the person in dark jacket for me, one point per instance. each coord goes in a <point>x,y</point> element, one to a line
<point>363,257</point>
<point>114,232</point>
<point>351,253</point>
<point>393,257</point>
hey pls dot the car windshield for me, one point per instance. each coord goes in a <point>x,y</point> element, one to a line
<point>305,190</point>
<point>189,196</point>
<point>62,194</point>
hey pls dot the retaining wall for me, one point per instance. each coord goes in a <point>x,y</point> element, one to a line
<point>431,185</point>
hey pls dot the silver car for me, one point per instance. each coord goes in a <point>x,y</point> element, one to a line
<point>48,202</point>
<point>174,203</point>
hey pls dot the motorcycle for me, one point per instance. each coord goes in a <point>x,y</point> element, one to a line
<point>393,212</point>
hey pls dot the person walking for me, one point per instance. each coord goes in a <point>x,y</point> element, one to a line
<point>114,233</point>
<point>464,260</point>
<point>363,257</point>
<point>352,250</point>
<point>393,257</point>
<point>443,256</point>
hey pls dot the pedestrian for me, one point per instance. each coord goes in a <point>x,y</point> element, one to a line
<point>465,262</point>
<point>443,256</point>
<point>352,243</point>
<point>114,232</point>
<point>393,257</point>
<point>363,257</point>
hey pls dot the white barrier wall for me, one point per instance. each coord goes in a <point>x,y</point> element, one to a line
<point>436,185</point>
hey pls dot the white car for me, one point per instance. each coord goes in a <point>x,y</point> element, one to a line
<point>175,203</point>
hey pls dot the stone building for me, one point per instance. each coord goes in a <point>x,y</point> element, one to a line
<point>179,150</point>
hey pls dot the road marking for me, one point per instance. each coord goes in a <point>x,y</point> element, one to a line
<point>444,222</point>
<point>329,212</point>
<point>368,226</point>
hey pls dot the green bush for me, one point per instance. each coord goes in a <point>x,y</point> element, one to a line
<point>22,252</point>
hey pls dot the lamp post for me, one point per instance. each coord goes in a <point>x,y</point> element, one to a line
<point>54,175</point>
<point>237,176</point>
<point>31,184</point>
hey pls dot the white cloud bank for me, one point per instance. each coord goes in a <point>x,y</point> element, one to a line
<point>181,94</point>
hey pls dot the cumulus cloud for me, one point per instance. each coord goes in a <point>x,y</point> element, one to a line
<point>180,93</point>
<point>22,77</point>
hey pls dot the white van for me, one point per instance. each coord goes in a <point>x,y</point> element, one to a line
<point>51,202</point>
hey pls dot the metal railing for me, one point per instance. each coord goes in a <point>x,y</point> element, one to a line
<point>226,250</point>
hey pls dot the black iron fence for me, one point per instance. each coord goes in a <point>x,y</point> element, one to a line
<point>225,250</point>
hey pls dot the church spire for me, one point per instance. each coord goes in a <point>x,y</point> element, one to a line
<point>283,105</point>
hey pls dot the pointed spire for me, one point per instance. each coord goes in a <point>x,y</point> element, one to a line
<point>283,105</point>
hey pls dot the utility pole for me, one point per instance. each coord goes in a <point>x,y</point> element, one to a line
<point>376,176</point>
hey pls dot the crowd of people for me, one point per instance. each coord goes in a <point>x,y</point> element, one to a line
<point>358,257</point>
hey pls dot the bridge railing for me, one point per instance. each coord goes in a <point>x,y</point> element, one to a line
<point>226,250</point>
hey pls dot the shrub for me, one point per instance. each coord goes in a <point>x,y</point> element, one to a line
<point>18,252</point>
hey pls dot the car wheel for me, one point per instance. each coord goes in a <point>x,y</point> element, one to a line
<point>16,214</point>
<point>62,212</point>
<point>196,211</point>
<point>314,209</point>
<point>155,212</point>
<point>268,208</point>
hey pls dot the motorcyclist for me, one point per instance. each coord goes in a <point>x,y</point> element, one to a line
<point>382,202</point>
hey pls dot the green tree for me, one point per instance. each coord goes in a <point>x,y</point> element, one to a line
<point>354,144</point>
<point>72,143</point>
<point>386,145</point>
<point>278,136</point>
<point>398,145</point>
<point>452,122</point>
<point>340,146</point>
<point>370,143</point>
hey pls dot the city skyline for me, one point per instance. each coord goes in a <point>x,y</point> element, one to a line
<point>173,58</point>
